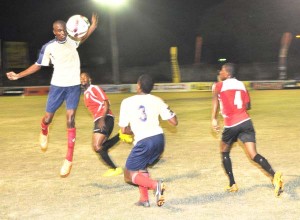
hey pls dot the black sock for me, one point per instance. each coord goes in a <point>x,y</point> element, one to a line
<point>111,142</point>
<point>264,164</point>
<point>228,167</point>
<point>105,157</point>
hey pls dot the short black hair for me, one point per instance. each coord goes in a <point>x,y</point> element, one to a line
<point>230,68</point>
<point>85,73</point>
<point>61,22</point>
<point>146,83</point>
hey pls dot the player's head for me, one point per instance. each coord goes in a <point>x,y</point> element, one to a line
<point>145,84</point>
<point>85,80</point>
<point>59,30</point>
<point>227,71</point>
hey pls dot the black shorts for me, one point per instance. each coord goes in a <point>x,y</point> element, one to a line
<point>244,132</point>
<point>109,126</point>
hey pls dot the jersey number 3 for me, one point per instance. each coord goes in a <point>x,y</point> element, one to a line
<point>142,113</point>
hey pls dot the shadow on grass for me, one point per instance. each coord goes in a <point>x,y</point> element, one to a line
<point>291,186</point>
<point>289,189</point>
<point>203,198</point>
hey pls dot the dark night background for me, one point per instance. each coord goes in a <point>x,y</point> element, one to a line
<point>244,32</point>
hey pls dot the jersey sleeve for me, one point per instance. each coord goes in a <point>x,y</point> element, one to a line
<point>44,56</point>
<point>123,119</point>
<point>99,93</point>
<point>217,87</point>
<point>165,112</point>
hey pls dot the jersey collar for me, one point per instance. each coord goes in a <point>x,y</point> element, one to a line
<point>61,42</point>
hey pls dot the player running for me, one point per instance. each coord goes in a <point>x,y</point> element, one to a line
<point>97,102</point>
<point>233,99</point>
<point>62,53</point>
<point>139,114</point>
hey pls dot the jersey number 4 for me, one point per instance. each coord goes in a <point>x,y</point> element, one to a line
<point>238,100</point>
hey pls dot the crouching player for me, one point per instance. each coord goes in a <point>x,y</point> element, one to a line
<point>139,114</point>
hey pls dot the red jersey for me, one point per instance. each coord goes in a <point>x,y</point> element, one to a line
<point>233,96</point>
<point>94,98</point>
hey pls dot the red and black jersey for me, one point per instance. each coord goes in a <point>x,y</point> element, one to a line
<point>233,97</point>
<point>94,98</point>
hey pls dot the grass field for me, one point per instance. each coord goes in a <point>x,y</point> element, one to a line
<point>30,186</point>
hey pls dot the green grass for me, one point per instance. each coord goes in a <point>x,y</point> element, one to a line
<point>30,186</point>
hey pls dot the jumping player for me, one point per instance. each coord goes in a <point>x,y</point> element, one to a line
<point>98,104</point>
<point>233,99</point>
<point>139,114</point>
<point>65,83</point>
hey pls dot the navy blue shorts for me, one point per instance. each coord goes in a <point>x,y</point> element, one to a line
<point>244,132</point>
<point>145,152</point>
<point>57,95</point>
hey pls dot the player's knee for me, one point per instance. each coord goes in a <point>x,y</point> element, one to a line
<point>70,123</point>
<point>97,148</point>
<point>100,150</point>
<point>47,120</point>
<point>127,176</point>
<point>225,156</point>
<point>70,120</point>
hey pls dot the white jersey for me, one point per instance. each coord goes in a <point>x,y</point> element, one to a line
<point>65,60</point>
<point>142,113</point>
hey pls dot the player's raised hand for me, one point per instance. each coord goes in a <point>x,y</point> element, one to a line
<point>12,75</point>
<point>94,19</point>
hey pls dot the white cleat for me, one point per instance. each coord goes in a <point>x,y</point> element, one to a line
<point>66,168</point>
<point>43,141</point>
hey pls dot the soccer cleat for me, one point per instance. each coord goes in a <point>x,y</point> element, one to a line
<point>66,168</point>
<point>145,204</point>
<point>113,172</point>
<point>159,193</point>
<point>118,171</point>
<point>43,141</point>
<point>278,184</point>
<point>233,188</point>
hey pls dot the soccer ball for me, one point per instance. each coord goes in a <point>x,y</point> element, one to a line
<point>77,26</point>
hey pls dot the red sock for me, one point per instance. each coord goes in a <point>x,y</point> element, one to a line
<point>141,180</point>
<point>144,190</point>
<point>44,127</point>
<point>71,143</point>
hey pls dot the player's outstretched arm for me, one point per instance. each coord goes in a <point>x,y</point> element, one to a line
<point>92,28</point>
<point>30,70</point>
